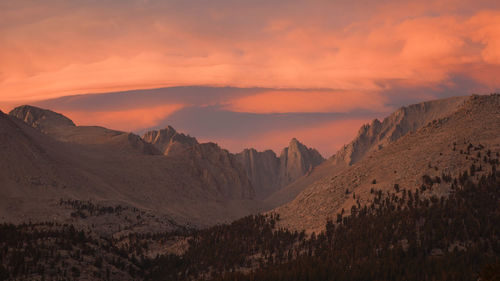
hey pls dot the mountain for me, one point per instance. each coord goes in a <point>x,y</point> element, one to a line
<point>465,133</point>
<point>62,128</point>
<point>376,135</point>
<point>268,173</point>
<point>55,169</point>
<point>371,137</point>
<point>216,165</point>
<point>169,142</point>
<point>417,202</point>
<point>296,160</point>
<point>263,170</point>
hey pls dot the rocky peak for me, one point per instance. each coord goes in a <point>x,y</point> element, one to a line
<point>169,141</point>
<point>269,173</point>
<point>296,160</point>
<point>376,135</point>
<point>39,118</point>
<point>218,169</point>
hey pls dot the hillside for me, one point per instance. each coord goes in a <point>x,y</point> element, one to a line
<point>371,137</point>
<point>443,147</point>
<point>46,159</point>
<point>63,129</point>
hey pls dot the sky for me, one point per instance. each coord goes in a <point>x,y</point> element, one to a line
<point>245,73</point>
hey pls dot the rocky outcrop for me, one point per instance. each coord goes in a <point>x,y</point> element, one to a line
<point>376,135</point>
<point>268,173</point>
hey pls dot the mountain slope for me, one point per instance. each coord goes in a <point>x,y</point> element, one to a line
<point>52,169</point>
<point>435,150</point>
<point>371,137</point>
<point>62,128</point>
<point>407,119</point>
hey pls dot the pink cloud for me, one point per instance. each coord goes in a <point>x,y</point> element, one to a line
<point>49,52</point>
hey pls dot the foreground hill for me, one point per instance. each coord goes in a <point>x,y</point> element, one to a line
<point>442,148</point>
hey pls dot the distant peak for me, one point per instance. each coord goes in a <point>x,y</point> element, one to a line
<point>164,138</point>
<point>170,128</point>
<point>295,142</point>
<point>40,118</point>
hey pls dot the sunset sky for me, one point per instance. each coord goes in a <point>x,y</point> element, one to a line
<point>265,71</point>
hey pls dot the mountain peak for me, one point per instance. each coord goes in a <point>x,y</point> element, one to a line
<point>269,173</point>
<point>378,134</point>
<point>39,118</point>
<point>169,140</point>
<point>297,160</point>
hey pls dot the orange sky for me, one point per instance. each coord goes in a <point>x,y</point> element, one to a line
<point>373,55</point>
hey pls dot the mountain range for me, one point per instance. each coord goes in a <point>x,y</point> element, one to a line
<point>179,181</point>
<point>168,175</point>
<point>419,188</point>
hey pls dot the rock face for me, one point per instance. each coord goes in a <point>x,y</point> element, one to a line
<point>464,131</point>
<point>263,170</point>
<point>296,160</point>
<point>376,135</point>
<point>268,173</point>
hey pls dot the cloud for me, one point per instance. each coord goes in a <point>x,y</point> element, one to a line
<point>307,101</point>
<point>66,48</point>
